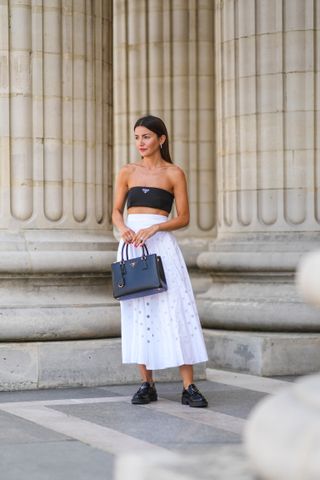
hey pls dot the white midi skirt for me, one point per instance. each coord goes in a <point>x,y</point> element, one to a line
<point>162,330</point>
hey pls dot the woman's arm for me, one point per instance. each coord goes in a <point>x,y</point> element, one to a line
<point>180,191</point>
<point>121,192</point>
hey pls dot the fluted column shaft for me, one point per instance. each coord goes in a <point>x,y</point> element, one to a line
<point>56,124</point>
<point>268,115</point>
<point>164,65</point>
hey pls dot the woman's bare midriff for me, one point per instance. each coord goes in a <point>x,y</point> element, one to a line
<point>153,211</point>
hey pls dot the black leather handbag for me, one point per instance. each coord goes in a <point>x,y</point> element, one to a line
<point>137,277</point>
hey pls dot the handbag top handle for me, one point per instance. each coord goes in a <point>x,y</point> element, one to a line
<point>144,249</point>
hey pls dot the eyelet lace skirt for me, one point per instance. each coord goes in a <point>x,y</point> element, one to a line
<point>162,330</point>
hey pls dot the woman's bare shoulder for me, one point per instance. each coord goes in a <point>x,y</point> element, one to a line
<point>127,170</point>
<point>128,167</point>
<point>175,172</point>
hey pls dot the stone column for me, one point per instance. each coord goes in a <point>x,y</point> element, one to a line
<point>56,236</point>
<point>164,65</point>
<point>267,83</point>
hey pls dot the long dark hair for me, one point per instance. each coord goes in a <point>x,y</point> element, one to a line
<point>157,126</point>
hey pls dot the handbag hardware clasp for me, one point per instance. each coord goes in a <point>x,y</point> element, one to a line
<point>133,264</point>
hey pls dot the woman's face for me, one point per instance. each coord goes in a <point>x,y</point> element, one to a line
<point>147,142</point>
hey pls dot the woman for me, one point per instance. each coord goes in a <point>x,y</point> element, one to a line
<point>161,330</point>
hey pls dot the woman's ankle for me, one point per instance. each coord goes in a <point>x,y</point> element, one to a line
<point>148,380</point>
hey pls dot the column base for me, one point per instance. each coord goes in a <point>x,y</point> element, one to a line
<point>265,354</point>
<point>256,303</point>
<point>57,307</point>
<point>253,283</point>
<point>79,363</point>
<point>56,285</point>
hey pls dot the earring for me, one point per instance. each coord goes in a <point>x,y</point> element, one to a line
<point>161,146</point>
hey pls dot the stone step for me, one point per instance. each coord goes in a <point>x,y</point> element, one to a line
<point>74,363</point>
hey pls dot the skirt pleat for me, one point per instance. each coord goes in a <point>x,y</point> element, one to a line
<point>162,330</point>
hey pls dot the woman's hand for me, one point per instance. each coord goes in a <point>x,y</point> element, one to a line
<point>142,235</point>
<point>127,235</point>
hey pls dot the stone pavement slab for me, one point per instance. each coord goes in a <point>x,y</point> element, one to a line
<point>15,430</point>
<point>147,424</point>
<point>56,460</point>
<point>95,433</point>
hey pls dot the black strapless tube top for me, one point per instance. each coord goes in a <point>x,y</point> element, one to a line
<point>151,197</point>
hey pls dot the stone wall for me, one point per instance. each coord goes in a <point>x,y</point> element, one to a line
<point>237,84</point>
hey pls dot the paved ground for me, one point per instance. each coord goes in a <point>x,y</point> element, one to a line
<point>84,433</point>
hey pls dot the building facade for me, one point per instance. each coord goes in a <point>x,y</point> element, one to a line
<point>237,83</point>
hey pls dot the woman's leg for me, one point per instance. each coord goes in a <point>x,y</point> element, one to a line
<point>186,372</point>
<point>146,375</point>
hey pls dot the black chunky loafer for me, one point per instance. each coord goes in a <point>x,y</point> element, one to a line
<point>193,397</point>
<point>147,393</point>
